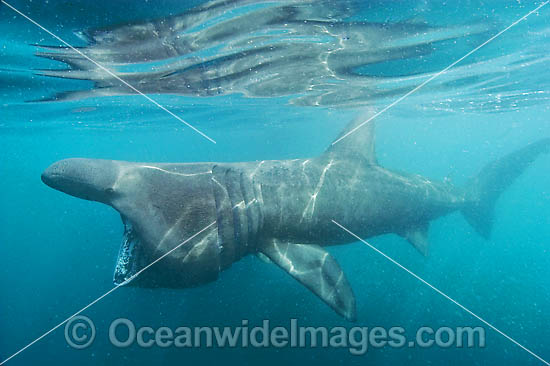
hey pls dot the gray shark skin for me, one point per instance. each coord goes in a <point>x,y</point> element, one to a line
<point>279,209</point>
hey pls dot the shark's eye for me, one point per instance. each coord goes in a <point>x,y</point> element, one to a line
<point>109,191</point>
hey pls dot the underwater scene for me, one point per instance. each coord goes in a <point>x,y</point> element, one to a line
<point>275,182</point>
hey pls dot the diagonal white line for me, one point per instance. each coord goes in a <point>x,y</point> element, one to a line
<point>107,293</point>
<point>110,73</point>
<point>398,100</point>
<point>167,253</point>
<point>443,294</point>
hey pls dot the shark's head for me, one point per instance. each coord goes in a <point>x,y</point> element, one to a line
<point>161,207</point>
<point>89,179</point>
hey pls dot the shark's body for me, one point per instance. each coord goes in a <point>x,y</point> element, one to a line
<point>282,209</point>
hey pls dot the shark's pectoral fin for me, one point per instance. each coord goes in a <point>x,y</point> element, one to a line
<point>264,258</point>
<point>316,269</point>
<point>418,237</point>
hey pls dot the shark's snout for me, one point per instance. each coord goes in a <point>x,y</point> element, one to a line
<point>89,179</point>
<point>53,175</point>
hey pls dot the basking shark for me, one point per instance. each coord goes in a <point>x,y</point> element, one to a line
<point>280,209</point>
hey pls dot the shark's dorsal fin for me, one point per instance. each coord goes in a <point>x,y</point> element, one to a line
<point>356,141</point>
<point>418,237</point>
<point>316,269</point>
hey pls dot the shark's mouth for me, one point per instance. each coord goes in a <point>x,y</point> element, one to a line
<point>128,255</point>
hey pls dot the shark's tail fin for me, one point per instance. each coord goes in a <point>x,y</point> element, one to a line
<point>484,189</point>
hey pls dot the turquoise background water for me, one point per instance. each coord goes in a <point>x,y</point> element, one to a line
<point>57,252</point>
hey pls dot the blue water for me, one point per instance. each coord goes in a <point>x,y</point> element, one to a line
<point>58,252</point>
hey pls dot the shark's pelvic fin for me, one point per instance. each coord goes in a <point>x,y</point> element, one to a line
<point>357,141</point>
<point>316,269</point>
<point>418,237</point>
